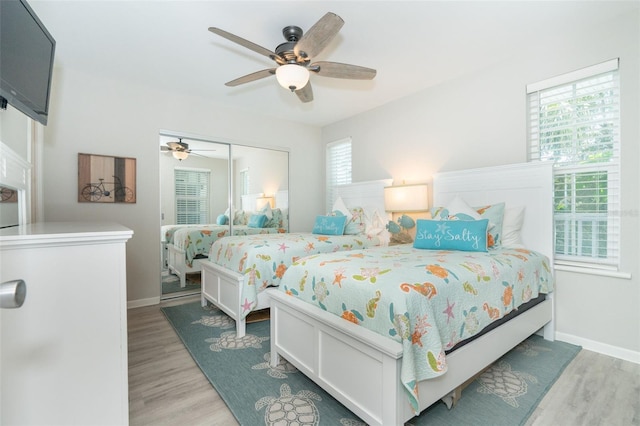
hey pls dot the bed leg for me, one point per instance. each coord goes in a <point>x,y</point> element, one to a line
<point>275,358</point>
<point>549,329</point>
<point>452,398</point>
<point>203,301</point>
<point>241,328</point>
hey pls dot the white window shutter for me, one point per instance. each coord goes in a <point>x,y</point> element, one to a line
<point>338,167</point>
<point>574,121</point>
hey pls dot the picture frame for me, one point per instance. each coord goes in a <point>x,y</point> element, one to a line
<point>8,195</point>
<point>106,179</point>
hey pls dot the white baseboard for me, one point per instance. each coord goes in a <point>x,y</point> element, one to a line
<point>143,302</point>
<point>601,348</point>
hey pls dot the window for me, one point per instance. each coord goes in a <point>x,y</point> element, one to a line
<point>338,167</point>
<point>192,196</point>
<point>244,182</point>
<point>574,121</point>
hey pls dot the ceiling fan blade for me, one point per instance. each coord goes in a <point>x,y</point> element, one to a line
<point>319,35</point>
<point>251,77</point>
<point>164,148</point>
<point>246,43</point>
<point>178,146</point>
<point>306,93</point>
<point>338,70</point>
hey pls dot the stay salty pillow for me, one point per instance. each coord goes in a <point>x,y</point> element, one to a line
<point>463,235</point>
<point>329,225</point>
<point>458,209</point>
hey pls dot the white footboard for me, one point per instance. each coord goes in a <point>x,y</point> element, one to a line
<point>177,264</point>
<point>222,287</point>
<point>361,369</point>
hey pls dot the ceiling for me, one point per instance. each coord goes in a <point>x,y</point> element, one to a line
<point>413,45</point>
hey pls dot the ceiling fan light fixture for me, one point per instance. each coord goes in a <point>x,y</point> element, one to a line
<point>292,77</point>
<point>180,155</point>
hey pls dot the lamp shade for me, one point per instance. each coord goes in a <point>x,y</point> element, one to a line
<point>261,202</point>
<point>292,76</point>
<point>411,198</point>
<point>180,155</point>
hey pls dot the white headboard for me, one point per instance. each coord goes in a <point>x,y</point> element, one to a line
<point>364,194</point>
<point>523,184</point>
<point>282,199</point>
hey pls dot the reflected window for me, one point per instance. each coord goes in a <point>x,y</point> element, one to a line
<point>192,196</point>
<point>244,182</point>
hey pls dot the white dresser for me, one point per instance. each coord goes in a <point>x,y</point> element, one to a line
<point>63,353</point>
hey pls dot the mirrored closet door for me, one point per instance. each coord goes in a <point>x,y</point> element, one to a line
<point>208,190</point>
<point>194,189</point>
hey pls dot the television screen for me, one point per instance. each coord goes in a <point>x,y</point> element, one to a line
<point>26,59</point>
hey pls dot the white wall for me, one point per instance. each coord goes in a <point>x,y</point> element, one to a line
<point>94,115</point>
<point>480,120</point>
<point>268,171</point>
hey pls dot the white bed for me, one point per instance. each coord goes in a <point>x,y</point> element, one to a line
<point>222,286</point>
<point>368,378</point>
<point>176,257</point>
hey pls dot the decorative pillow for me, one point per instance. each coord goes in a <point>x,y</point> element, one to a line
<point>329,225</point>
<point>257,220</point>
<point>222,219</point>
<point>340,206</point>
<point>375,223</point>
<point>457,209</point>
<point>357,224</point>
<point>511,225</point>
<point>495,214</point>
<point>240,218</point>
<point>276,220</point>
<point>463,235</point>
<point>266,210</point>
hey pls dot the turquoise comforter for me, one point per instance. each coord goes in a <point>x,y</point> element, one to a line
<point>197,241</point>
<point>427,300</point>
<point>263,259</point>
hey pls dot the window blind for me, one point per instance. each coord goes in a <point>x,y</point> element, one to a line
<point>338,167</point>
<point>574,121</point>
<point>192,196</point>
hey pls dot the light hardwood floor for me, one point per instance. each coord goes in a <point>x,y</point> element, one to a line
<point>166,387</point>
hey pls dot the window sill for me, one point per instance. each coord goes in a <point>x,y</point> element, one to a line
<point>593,271</point>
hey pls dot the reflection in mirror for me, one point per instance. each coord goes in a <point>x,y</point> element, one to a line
<point>9,210</point>
<point>199,204</point>
<point>194,187</point>
<point>261,186</point>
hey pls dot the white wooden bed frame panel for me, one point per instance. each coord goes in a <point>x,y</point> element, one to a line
<point>222,286</point>
<point>361,369</point>
<point>177,264</point>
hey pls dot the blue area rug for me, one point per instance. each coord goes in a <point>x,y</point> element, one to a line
<point>171,283</point>
<point>505,394</point>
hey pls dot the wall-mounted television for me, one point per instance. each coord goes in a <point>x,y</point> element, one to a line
<point>26,60</point>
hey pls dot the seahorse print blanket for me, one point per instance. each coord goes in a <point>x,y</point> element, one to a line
<point>426,299</point>
<point>264,259</point>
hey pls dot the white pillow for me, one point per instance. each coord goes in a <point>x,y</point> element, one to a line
<point>340,206</point>
<point>511,225</point>
<point>458,205</point>
<point>374,222</point>
<point>266,210</point>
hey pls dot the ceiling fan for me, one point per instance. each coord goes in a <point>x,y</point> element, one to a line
<point>294,57</point>
<point>180,150</point>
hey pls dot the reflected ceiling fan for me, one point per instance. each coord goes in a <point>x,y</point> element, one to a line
<point>180,150</point>
<point>294,57</point>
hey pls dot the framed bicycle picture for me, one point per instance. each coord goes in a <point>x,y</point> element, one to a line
<point>105,179</point>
